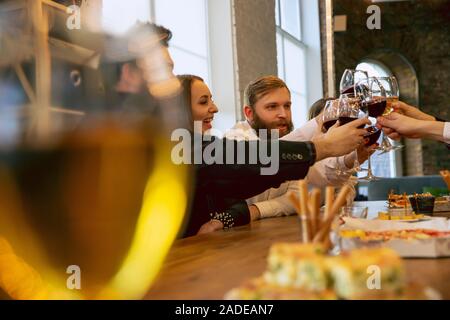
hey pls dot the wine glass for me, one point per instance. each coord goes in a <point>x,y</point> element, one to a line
<point>373,102</point>
<point>349,110</point>
<point>391,87</point>
<point>90,203</point>
<point>349,78</point>
<point>330,117</point>
<point>330,114</point>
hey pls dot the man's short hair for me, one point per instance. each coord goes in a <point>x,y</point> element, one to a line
<point>262,86</point>
<point>164,34</point>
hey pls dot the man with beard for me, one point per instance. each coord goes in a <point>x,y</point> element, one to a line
<point>268,107</point>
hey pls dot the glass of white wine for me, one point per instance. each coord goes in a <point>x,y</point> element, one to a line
<point>90,204</point>
<point>390,85</point>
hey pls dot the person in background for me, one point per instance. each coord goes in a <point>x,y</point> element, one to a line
<point>317,107</point>
<point>230,201</point>
<point>410,122</point>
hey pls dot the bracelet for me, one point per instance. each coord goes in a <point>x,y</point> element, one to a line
<point>224,217</point>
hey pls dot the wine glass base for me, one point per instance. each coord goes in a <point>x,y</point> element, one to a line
<point>369,177</point>
<point>383,151</point>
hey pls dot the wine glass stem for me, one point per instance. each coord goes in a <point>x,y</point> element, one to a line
<point>356,165</point>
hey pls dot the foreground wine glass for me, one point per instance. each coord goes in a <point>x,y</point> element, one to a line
<point>330,114</point>
<point>349,78</point>
<point>330,117</point>
<point>391,87</point>
<point>90,202</point>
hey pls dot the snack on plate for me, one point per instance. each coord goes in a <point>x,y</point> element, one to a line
<point>350,272</point>
<point>259,289</point>
<point>304,271</point>
<point>423,203</point>
<point>383,215</point>
<point>297,265</point>
<point>398,201</point>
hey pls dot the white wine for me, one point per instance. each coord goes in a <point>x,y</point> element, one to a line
<point>391,101</point>
<point>92,216</point>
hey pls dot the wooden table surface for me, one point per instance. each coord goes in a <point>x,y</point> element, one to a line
<point>207,266</point>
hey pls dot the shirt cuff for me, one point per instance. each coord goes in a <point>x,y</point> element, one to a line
<point>265,209</point>
<point>446,133</point>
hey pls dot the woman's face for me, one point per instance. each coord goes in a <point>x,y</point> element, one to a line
<point>203,107</point>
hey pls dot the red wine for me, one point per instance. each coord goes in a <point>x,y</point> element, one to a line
<point>373,133</point>
<point>328,124</point>
<point>348,90</point>
<point>375,107</point>
<point>345,120</point>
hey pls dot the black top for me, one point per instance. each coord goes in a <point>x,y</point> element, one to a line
<point>222,188</point>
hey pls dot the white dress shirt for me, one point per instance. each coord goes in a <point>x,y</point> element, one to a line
<point>446,133</point>
<point>274,202</point>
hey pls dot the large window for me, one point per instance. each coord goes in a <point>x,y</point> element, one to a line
<point>291,55</point>
<point>298,47</point>
<point>196,47</point>
<point>383,164</point>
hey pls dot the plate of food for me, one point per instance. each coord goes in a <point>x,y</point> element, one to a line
<point>423,239</point>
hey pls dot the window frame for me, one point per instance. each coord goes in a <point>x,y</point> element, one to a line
<point>299,43</point>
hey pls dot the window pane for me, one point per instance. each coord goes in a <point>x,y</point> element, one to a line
<point>290,17</point>
<point>187,21</point>
<point>295,66</point>
<point>119,15</point>
<point>374,69</point>
<point>280,56</point>
<point>277,12</point>
<point>299,109</point>
<point>186,63</point>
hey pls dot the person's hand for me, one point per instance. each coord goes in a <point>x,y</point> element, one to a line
<point>210,226</point>
<point>396,125</point>
<point>340,140</point>
<point>412,112</point>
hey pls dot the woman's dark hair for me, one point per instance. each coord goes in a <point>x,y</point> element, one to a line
<point>186,81</point>
<point>317,107</point>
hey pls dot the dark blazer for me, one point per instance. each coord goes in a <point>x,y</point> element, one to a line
<point>223,188</point>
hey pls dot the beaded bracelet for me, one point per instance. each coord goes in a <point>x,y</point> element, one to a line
<point>224,217</point>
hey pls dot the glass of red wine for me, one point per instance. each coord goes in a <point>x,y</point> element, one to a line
<point>349,78</point>
<point>330,114</point>
<point>330,117</point>
<point>391,88</point>
<point>373,101</point>
<point>349,110</point>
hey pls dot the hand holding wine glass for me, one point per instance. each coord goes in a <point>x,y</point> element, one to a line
<point>412,112</point>
<point>392,92</point>
<point>412,128</point>
<point>341,140</point>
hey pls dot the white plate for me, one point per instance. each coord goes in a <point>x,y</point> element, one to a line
<point>406,220</point>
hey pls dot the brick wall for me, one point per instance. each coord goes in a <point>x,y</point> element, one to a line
<point>418,30</point>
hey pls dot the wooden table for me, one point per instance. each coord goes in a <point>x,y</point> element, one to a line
<point>207,266</point>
